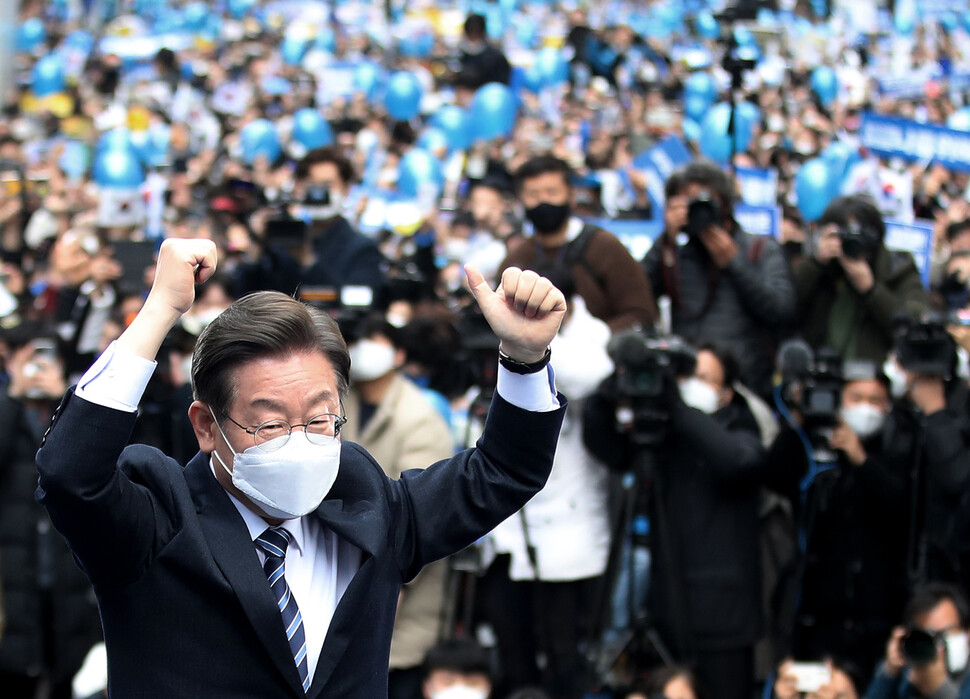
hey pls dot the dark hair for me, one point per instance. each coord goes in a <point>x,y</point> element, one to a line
<point>461,655</point>
<point>263,324</point>
<point>706,174</point>
<point>858,208</point>
<point>729,363</point>
<point>958,228</point>
<point>540,165</point>
<point>475,26</point>
<point>674,184</point>
<point>376,324</point>
<point>326,154</point>
<point>659,679</point>
<point>928,596</point>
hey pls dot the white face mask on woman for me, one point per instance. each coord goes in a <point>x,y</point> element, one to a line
<point>460,691</point>
<point>289,482</point>
<point>697,393</point>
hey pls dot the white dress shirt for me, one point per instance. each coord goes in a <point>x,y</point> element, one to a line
<point>319,565</point>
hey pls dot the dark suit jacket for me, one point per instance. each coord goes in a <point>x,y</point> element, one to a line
<point>185,605</point>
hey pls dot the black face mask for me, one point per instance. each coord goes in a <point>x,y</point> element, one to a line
<point>793,248</point>
<point>548,218</point>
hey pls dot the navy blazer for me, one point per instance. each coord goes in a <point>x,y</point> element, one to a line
<point>184,602</point>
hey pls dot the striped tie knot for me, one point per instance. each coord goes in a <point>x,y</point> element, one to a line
<point>274,541</point>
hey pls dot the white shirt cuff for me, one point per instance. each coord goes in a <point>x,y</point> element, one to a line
<point>116,380</point>
<point>535,392</point>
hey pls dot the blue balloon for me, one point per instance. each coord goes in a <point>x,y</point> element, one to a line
<point>840,158</point>
<point>259,138</point>
<point>701,84</point>
<point>746,117</point>
<point>418,169</point>
<point>116,139</point>
<point>695,106</point>
<point>715,143</point>
<point>905,18</point>
<point>30,34</point>
<point>368,79</point>
<point>692,130</point>
<point>528,78</point>
<point>813,188</point>
<point>403,98</point>
<point>455,123</point>
<point>326,40</point>
<point>825,84</point>
<point>195,16</point>
<point>292,50</point>
<point>745,37</point>
<point>118,169</point>
<point>311,130</point>
<point>434,140</point>
<point>239,8</point>
<point>80,40</point>
<point>493,111</point>
<point>553,66</point>
<point>417,45</point>
<point>75,159</point>
<point>707,26</point>
<point>960,119</point>
<point>48,75</point>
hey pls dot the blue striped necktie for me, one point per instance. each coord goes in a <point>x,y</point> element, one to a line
<point>274,541</point>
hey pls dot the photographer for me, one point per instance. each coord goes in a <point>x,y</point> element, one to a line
<point>852,514</point>
<point>725,285</point>
<point>703,468</point>
<point>928,656</point>
<point>327,251</point>
<point>851,287</point>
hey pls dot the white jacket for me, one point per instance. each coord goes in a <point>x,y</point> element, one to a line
<point>568,521</point>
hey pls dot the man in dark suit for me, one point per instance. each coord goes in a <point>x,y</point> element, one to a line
<point>270,566</point>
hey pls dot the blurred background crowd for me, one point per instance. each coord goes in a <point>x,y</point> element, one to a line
<point>757,210</point>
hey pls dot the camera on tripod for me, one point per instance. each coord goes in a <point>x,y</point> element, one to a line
<point>646,367</point>
<point>923,345</point>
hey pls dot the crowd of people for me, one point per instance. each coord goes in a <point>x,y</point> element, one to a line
<point>763,480</point>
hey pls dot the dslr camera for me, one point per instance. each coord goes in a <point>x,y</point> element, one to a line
<point>923,345</point>
<point>703,211</point>
<point>919,646</point>
<point>858,241</point>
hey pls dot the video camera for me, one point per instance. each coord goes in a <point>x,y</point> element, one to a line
<point>811,382</point>
<point>858,241</point>
<point>645,367</point>
<point>924,345</point>
<point>348,305</point>
<point>292,218</point>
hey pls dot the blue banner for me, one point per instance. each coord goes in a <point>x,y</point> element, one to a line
<point>657,164</point>
<point>758,187</point>
<point>637,235</point>
<point>759,220</point>
<point>890,137</point>
<point>915,238</point>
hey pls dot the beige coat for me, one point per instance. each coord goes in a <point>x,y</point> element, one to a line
<point>407,432</point>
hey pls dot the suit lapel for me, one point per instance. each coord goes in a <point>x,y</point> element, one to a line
<point>235,554</point>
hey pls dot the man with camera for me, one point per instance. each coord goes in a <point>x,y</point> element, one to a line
<point>725,285</point>
<point>853,506</point>
<point>851,287</point>
<point>309,242</point>
<point>928,656</point>
<point>694,446</point>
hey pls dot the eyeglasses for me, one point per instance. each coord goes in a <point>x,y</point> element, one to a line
<point>319,429</point>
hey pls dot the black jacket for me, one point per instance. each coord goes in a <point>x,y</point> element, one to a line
<point>186,608</point>
<point>50,610</point>
<point>705,591</point>
<point>738,308</point>
<point>342,257</point>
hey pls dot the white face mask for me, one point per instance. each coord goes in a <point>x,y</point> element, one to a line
<point>863,419</point>
<point>699,394</point>
<point>957,651</point>
<point>898,383</point>
<point>370,360</point>
<point>460,691</point>
<point>289,482</point>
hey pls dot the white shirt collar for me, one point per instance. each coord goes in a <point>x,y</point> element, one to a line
<point>257,525</point>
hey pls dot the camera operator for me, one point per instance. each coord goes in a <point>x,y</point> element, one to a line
<point>927,657</point>
<point>703,472</point>
<point>851,287</point>
<point>852,516</point>
<point>725,285</point>
<point>326,251</point>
